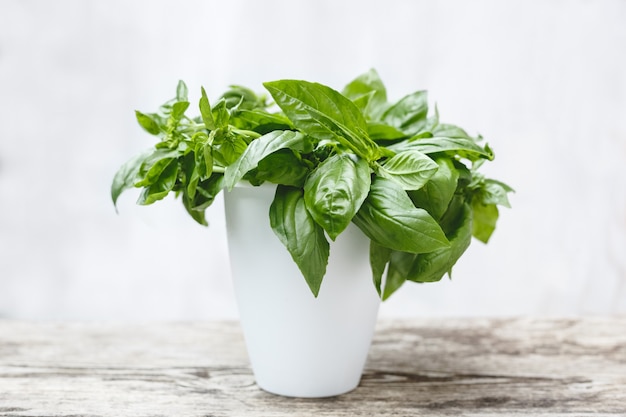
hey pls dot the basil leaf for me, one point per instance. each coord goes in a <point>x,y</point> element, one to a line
<point>162,186</point>
<point>436,194</point>
<point>484,221</point>
<point>154,164</point>
<point>181,91</point>
<point>388,217</point>
<point>379,257</point>
<point>432,266</point>
<point>335,190</point>
<point>450,131</point>
<point>400,264</point>
<point>148,123</point>
<point>260,121</point>
<point>127,176</point>
<point>178,110</point>
<point>282,167</point>
<point>231,148</point>
<point>371,86</point>
<point>495,192</point>
<point>410,169</point>
<point>381,131</point>
<point>408,114</point>
<point>220,114</point>
<point>206,191</point>
<point>325,114</point>
<point>302,236</point>
<point>205,111</point>
<point>465,148</point>
<point>259,149</point>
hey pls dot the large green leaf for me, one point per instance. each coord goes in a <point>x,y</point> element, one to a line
<point>410,169</point>
<point>436,194</point>
<point>432,266</point>
<point>335,191</point>
<point>466,148</point>
<point>324,114</point>
<point>302,236</point>
<point>389,217</point>
<point>259,149</point>
<point>282,167</point>
<point>408,114</point>
<point>369,86</point>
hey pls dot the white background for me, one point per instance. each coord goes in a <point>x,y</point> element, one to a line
<point>544,82</point>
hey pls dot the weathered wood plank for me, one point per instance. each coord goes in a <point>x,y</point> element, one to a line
<point>466,367</point>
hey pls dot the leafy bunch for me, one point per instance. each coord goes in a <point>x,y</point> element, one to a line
<point>409,182</point>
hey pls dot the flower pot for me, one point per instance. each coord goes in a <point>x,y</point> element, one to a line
<point>299,345</point>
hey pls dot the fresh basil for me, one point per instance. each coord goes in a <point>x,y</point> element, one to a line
<point>335,191</point>
<point>325,114</point>
<point>301,235</point>
<point>388,217</point>
<point>410,169</point>
<point>409,182</point>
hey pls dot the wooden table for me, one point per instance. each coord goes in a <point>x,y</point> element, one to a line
<point>442,367</point>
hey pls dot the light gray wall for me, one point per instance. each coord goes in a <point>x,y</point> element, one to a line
<point>544,82</point>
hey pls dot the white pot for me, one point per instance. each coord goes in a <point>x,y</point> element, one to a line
<point>299,345</point>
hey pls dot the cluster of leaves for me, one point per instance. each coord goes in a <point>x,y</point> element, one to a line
<point>409,182</point>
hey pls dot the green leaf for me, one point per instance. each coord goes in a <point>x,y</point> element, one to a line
<point>436,194</point>
<point>197,204</point>
<point>282,167</point>
<point>381,131</point>
<point>410,169</point>
<point>485,218</point>
<point>335,191</point>
<point>379,257</point>
<point>450,131</point>
<point>302,236</point>
<point>432,266</point>
<point>408,114</point>
<point>205,111</point>
<point>149,124</point>
<point>371,86</point>
<point>232,148</point>
<point>206,191</point>
<point>220,113</point>
<point>162,186</point>
<point>260,121</point>
<point>388,217</point>
<point>463,147</point>
<point>325,114</point>
<point>127,176</point>
<point>154,164</point>
<point>259,149</point>
<point>178,110</point>
<point>399,266</point>
<point>181,91</point>
<point>495,192</point>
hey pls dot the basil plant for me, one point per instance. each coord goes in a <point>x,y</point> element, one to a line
<point>408,181</point>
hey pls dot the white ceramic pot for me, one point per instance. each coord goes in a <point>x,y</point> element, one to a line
<point>299,345</point>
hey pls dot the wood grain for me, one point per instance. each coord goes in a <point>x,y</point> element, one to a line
<point>468,367</point>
